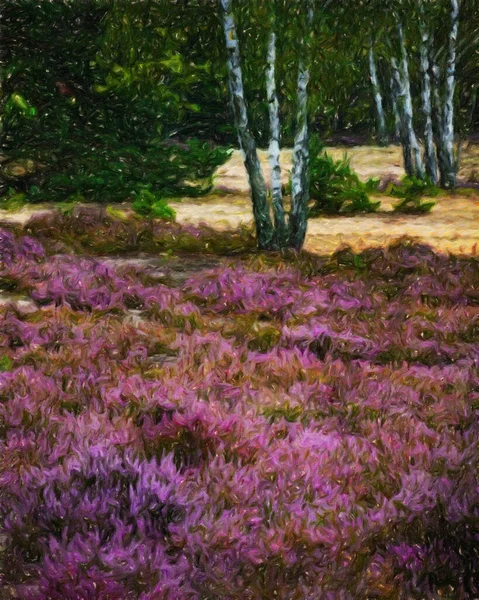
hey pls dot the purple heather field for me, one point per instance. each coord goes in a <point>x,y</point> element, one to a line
<point>303,428</point>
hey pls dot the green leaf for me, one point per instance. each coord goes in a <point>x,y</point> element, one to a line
<point>174,63</point>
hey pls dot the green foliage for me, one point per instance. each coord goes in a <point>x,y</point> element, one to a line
<point>12,200</point>
<point>5,363</point>
<point>203,157</point>
<point>103,112</point>
<point>411,191</point>
<point>356,200</point>
<point>111,171</point>
<point>414,206</point>
<point>335,188</point>
<point>289,413</point>
<point>147,204</point>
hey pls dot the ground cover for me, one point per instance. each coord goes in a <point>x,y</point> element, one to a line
<point>195,425</point>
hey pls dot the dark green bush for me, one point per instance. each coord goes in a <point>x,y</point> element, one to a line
<point>84,120</point>
<point>334,186</point>
<point>148,204</point>
<point>110,171</point>
<point>410,192</point>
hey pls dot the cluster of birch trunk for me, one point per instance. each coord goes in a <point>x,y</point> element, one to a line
<point>436,160</point>
<point>428,152</point>
<point>275,228</point>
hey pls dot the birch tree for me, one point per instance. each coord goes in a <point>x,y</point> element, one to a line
<point>448,175</point>
<point>438,123</point>
<point>400,101</point>
<point>394,103</point>
<point>418,168</point>
<point>378,99</point>
<point>429,149</point>
<point>300,174</point>
<point>247,143</point>
<point>275,133</point>
<point>285,232</point>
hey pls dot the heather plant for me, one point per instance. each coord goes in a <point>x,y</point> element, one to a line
<point>98,230</point>
<point>262,430</point>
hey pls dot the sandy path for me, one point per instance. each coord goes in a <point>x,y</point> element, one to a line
<point>452,226</point>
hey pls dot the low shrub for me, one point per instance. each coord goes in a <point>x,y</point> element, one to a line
<point>335,188</point>
<point>113,172</point>
<point>411,191</point>
<point>148,204</point>
<point>12,200</point>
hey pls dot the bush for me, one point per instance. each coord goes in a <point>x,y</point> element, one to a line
<point>111,171</point>
<point>12,200</point>
<point>148,204</point>
<point>66,136</point>
<point>335,188</point>
<point>411,192</point>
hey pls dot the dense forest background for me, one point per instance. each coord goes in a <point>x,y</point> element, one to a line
<point>103,99</point>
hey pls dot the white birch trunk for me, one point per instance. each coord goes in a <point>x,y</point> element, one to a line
<point>429,150</point>
<point>403,133</point>
<point>300,174</point>
<point>448,119</point>
<point>408,109</point>
<point>274,144</point>
<point>438,123</point>
<point>378,99</point>
<point>397,118</point>
<point>264,226</point>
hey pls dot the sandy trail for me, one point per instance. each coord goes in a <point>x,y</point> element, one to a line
<point>452,226</point>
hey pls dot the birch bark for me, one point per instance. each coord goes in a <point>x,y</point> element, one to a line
<point>274,144</point>
<point>378,99</point>
<point>438,123</point>
<point>408,109</point>
<point>262,218</point>
<point>300,175</point>
<point>429,149</point>
<point>397,118</point>
<point>449,177</point>
<point>403,134</point>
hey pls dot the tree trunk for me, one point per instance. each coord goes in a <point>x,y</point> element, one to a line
<point>274,148</point>
<point>262,218</point>
<point>403,134</point>
<point>449,177</point>
<point>429,150</point>
<point>438,124</point>
<point>408,110</point>
<point>473,107</point>
<point>397,119</point>
<point>300,176</point>
<point>381,121</point>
